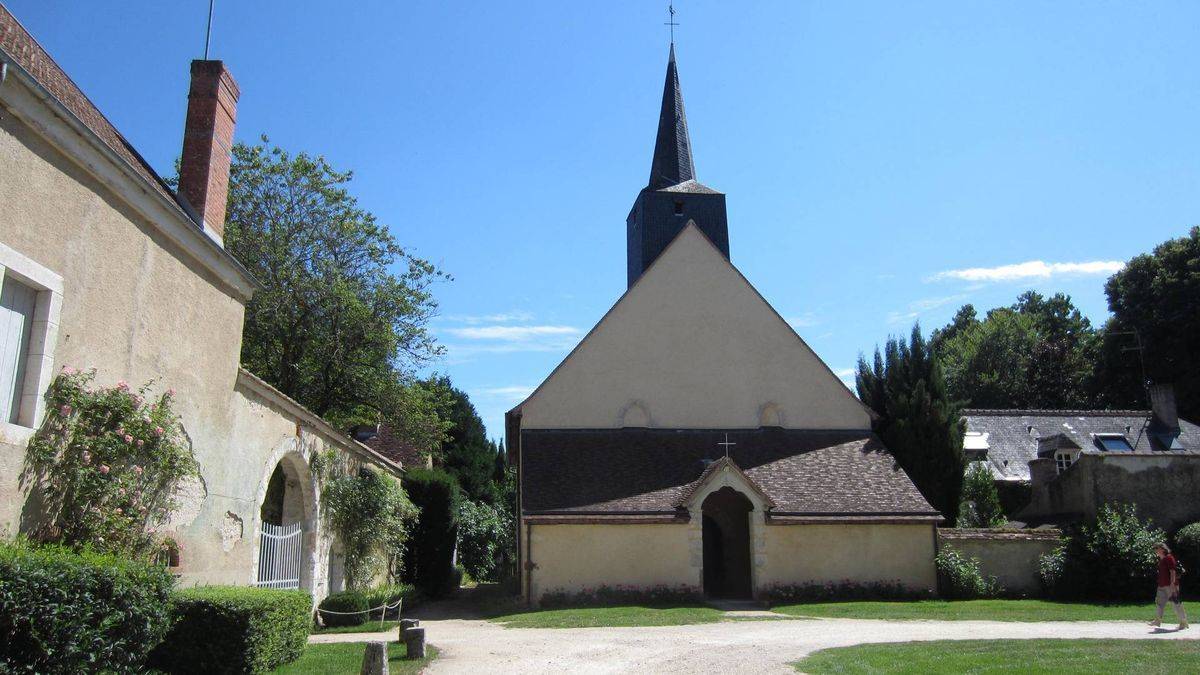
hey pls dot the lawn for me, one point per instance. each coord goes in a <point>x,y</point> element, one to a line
<point>591,617</point>
<point>1090,657</point>
<point>966,610</point>
<point>336,659</point>
<point>368,627</point>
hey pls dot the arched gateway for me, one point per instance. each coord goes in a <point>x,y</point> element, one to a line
<point>284,547</point>
<point>726,533</point>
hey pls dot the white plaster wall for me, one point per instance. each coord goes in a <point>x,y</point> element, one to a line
<point>574,558</point>
<point>858,553</point>
<point>696,346</point>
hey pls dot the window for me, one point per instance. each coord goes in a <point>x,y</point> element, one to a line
<point>679,208</point>
<point>1063,459</point>
<point>30,304</point>
<point>1113,443</point>
<point>17,301</point>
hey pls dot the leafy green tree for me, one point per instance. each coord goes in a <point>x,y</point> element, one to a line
<point>466,454</point>
<point>980,505</point>
<point>428,559</point>
<point>985,363</point>
<point>342,319</point>
<point>485,539</point>
<point>1158,294</point>
<point>918,421</point>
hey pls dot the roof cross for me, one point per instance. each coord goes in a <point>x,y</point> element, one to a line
<point>727,445</point>
<point>671,21</point>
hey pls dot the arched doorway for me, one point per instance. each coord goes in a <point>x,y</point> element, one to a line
<point>726,535</point>
<point>284,557</point>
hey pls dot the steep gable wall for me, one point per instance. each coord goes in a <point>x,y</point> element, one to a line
<point>693,345</point>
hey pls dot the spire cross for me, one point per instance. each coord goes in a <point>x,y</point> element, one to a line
<point>671,22</point>
<point>727,444</point>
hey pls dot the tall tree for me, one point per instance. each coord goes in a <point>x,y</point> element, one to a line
<point>918,421</point>
<point>466,454</point>
<point>1158,294</point>
<point>342,321</point>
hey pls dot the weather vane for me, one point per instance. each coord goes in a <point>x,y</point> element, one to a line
<point>671,22</point>
<point>208,31</point>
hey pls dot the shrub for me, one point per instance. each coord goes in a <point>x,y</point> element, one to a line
<point>351,608</point>
<point>1111,558</point>
<point>389,595</point>
<point>980,502</point>
<point>110,461</point>
<point>67,612</point>
<point>843,590</point>
<point>622,595</point>
<point>959,577</point>
<point>1050,570</point>
<point>226,629</point>
<point>485,538</point>
<point>1187,541</point>
<point>370,513</point>
<point>431,546</point>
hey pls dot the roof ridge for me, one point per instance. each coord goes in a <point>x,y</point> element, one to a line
<point>1053,412</point>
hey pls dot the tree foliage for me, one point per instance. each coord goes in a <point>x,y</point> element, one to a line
<point>371,515</point>
<point>980,503</point>
<point>918,421</point>
<point>466,454</point>
<point>342,319</point>
<point>485,539</point>
<point>1158,294</point>
<point>430,555</point>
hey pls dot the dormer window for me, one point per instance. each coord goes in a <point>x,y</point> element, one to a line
<point>1063,459</point>
<point>1113,443</point>
<point>679,208</point>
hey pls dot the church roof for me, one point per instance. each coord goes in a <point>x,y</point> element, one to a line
<point>691,187</point>
<point>672,163</point>
<point>818,474</point>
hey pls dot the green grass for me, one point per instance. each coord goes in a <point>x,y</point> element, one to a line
<point>964,610</point>
<point>368,627</point>
<point>592,617</point>
<point>1086,657</point>
<point>336,659</point>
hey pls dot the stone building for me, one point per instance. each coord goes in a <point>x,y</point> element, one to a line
<point>1061,466</point>
<point>692,440</point>
<point>105,267</point>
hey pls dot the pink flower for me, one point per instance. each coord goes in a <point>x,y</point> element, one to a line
<point>140,443</point>
<point>137,400</point>
<point>104,469</point>
<point>128,438</point>
<point>171,393</point>
<point>158,431</point>
<point>68,370</point>
<point>137,469</point>
<point>122,385</point>
<point>85,457</point>
<point>119,512</point>
<point>142,508</point>
<point>120,431</point>
<point>146,419</point>
<point>121,492</point>
<point>65,410</point>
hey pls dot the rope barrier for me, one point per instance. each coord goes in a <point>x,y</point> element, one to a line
<point>382,615</point>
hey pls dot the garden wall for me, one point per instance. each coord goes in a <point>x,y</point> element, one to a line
<point>1009,555</point>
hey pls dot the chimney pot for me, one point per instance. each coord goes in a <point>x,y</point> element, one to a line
<point>208,143</point>
<point>1162,403</point>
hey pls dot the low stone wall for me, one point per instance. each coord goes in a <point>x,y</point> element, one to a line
<point>1009,555</point>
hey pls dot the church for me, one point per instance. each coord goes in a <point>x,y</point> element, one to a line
<point>692,441</point>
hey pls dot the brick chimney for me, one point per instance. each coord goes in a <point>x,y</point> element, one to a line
<point>208,144</point>
<point>1162,403</point>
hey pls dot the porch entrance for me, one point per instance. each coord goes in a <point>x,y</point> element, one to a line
<point>726,535</point>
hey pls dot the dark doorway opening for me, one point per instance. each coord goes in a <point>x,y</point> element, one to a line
<point>726,533</point>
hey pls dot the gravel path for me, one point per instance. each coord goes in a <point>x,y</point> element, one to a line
<point>473,646</point>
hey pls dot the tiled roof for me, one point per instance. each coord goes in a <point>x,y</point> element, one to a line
<point>1012,435</point>
<point>395,448</point>
<point>18,47</point>
<point>621,471</point>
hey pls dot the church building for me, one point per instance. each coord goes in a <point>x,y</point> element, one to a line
<point>692,441</point>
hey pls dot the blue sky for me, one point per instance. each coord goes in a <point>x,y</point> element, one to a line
<point>884,162</point>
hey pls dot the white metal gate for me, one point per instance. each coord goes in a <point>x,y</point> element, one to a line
<point>279,556</point>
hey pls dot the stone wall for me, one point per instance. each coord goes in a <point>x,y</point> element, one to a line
<point>1011,556</point>
<point>854,553</point>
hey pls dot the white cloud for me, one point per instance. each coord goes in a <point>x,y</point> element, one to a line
<point>511,333</point>
<point>845,372</point>
<point>918,307</point>
<point>503,317</point>
<point>1033,269</point>
<point>804,320</point>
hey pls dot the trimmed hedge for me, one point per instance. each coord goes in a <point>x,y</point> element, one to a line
<point>361,601</point>
<point>68,612</point>
<point>226,629</point>
<point>429,558</point>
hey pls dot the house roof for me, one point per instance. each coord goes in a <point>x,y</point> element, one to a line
<point>644,471</point>
<point>672,163</point>
<point>1012,435</point>
<point>395,448</point>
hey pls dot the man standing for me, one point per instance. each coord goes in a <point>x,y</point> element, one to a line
<point>1168,586</point>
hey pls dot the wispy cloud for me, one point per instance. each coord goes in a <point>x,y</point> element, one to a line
<point>512,393</point>
<point>503,333</point>
<point>1033,269</point>
<point>918,307</point>
<point>804,320</point>
<point>511,333</point>
<point>475,319</point>
<point>846,375</point>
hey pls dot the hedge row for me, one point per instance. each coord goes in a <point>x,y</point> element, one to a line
<point>350,608</point>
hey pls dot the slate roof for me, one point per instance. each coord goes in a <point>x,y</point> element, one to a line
<point>18,47</point>
<point>691,187</point>
<point>1012,435</point>
<point>643,471</point>
<point>672,162</point>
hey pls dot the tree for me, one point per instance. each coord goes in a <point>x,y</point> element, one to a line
<point>342,319</point>
<point>429,557</point>
<point>1158,294</point>
<point>918,421</point>
<point>466,454</point>
<point>980,505</point>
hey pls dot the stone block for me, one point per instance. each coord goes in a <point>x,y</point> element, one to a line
<point>375,659</point>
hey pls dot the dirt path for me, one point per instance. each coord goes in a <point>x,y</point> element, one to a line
<point>474,646</point>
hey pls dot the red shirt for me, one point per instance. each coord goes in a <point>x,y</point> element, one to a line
<point>1166,565</point>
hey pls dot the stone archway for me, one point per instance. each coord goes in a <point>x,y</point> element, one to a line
<point>286,540</point>
<point>726,544</point>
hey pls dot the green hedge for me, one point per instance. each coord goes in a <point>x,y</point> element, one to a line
<point>223,629</point>
<point>430,554</point>
<point>361,601</point>
<point>68,612</point>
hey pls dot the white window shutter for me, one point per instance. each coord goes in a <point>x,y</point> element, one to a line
<point>17,303</point>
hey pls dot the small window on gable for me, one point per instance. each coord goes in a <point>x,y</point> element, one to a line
<point>1063,459</point>
<point>1113,443</point>
<point>679,208</point>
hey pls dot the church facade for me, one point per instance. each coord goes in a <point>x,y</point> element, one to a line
<point>693,441</point>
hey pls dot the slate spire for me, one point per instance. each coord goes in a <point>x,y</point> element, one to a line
<point>672,162</point>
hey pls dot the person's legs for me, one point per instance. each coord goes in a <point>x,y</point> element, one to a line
<point>1160,602</point>
<point>1183,622</point>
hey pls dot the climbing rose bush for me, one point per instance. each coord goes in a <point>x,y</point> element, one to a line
<point>109,461</point>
